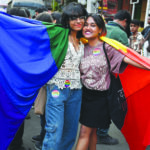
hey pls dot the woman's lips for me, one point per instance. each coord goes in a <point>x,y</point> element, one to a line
<point>87,33</point>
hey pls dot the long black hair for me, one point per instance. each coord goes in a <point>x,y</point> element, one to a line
<point>99,22</point>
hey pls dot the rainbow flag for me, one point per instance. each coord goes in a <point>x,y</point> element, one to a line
<point>31,52</point>
<point>136,86</point>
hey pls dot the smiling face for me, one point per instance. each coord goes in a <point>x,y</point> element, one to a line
<point>90,29</point>
<point>77,23</point>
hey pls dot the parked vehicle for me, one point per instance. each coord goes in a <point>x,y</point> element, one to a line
<point>31,5</point>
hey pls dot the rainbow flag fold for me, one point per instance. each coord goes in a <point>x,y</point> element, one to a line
<point>31,52</point>
<point>136,86</point>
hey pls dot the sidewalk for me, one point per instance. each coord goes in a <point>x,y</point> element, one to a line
<point>32,127</point>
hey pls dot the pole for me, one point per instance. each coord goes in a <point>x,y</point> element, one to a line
<point>53,5</point>
<point>89,6</point>
<point>133,9</point>
<point>146,14</point>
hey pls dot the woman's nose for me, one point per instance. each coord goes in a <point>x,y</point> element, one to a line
<point>78,20</point>
<point>88,27</point>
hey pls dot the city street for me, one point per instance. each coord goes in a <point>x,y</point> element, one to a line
<point>32,127</point>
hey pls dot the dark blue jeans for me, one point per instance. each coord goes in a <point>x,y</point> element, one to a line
<point>42,120</point>
<point>102,132</point>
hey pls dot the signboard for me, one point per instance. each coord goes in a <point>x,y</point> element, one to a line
<point>110,6</point>
<point>134,1</point>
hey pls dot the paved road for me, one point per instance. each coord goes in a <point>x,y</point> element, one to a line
<point>32,127</point>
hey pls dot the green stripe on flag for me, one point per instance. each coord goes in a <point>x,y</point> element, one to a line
<point>58,42</point>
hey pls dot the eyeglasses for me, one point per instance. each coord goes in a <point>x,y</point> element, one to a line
<point>73,18</point>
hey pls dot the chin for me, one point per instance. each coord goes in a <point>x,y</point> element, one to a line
<point>87,37</point>
<point>78,29</point>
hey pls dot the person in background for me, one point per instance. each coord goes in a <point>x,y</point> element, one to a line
<point>56,17</point>
<point>108,19</point>
<point>141,27</point>
<point>146,47</point>
<point>136,39</point>
<point>46,17</point>
<point>146,34</point>
<point>95,76</point>
<point>38,11</point>
<point>17,143</point>
<point>147,28</point>
<point>22,12</point>
<point>64,89</point>
<point>49,9</point>
<point>116,30</point>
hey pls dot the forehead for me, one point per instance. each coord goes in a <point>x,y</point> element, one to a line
<point>132,24</point>
<point>90,20</point>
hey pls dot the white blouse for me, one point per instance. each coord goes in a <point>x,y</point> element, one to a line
<point>69,73</point>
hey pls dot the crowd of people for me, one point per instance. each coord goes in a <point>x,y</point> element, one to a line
<point>82,83</point>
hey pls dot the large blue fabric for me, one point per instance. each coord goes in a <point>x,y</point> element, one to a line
<point>26,63</point>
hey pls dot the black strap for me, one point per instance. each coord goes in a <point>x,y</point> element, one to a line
<point>106,57</point>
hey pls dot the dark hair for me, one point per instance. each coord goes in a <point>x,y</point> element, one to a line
<point>108,19</point>
<point>18,12</point>
<point>44,16</point>
<point>135,22</point>
<point>99,22</point>
<point>57,16</point>
<point>72,10</point>
<point>142,24</point>
<point>28,12</point>
<point>40,10</point>
<point>123,14</point>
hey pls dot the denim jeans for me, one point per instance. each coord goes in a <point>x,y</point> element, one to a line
<point>62,116</point>
<point>42,120</point>
<point>102,132</point>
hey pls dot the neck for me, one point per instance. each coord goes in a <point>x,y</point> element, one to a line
<point>119,22</point>
<point>73,34</point>
<point>134,33</point>
<point>93,42</point>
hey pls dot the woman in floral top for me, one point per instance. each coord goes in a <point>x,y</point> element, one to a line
<point>64,89</point>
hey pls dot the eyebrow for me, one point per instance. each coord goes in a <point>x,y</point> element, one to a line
<point>91,23</point>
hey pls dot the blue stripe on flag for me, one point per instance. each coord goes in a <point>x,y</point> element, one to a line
<point>26,64</point>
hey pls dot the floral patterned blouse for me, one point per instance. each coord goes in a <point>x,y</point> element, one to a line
<point>69,73</point>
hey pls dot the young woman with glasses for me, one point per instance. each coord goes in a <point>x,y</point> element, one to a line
<point>64,89</point>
